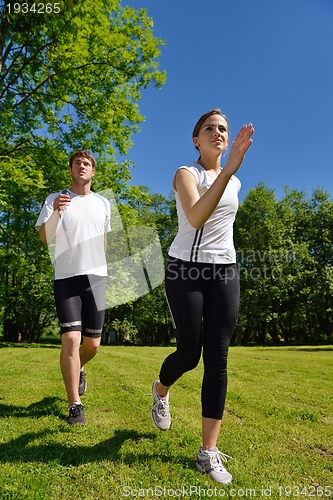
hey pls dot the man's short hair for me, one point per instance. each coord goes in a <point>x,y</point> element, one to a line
<point>85,154</point>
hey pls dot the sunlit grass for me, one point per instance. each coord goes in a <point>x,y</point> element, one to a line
<point>278,427</point>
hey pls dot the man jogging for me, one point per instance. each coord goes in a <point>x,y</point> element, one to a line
<point>76,221</point>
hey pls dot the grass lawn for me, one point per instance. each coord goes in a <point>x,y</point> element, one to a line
<point>278,427</point>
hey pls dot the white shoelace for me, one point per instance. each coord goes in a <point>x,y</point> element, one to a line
<point>217,457</point>
<point>162,407</point>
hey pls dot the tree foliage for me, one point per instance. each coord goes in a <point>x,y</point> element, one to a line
<point>68,80</point>
<point>285,251</point>
<point>149,314</point>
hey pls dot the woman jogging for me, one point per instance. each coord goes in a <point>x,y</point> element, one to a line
<point>201,280</point>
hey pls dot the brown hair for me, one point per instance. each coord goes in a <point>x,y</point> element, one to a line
<point>85,154</point>
<point>203,118</point>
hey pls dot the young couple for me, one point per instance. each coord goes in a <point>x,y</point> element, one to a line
<point>201,279</point>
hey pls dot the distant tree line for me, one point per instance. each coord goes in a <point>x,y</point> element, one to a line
<point>284,259</point>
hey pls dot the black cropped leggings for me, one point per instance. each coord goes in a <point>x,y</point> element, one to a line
<point>203,301</point>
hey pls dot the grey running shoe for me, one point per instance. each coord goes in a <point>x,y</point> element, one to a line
<point>82,383</point>
<point>210,461</point>
<point>76,414</point>
<point>160,411</point>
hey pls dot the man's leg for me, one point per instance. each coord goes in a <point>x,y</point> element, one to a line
<point>68,303</point>
<point>93,313</point>
<point>70,364</point>
<point>88,349</point>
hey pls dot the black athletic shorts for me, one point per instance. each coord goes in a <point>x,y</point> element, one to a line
<point>80,303</point>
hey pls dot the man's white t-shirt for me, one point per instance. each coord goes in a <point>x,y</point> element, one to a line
<point>213,242</point>
<point>78,247</point>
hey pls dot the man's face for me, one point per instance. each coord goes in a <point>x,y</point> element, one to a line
<point>82,170</point>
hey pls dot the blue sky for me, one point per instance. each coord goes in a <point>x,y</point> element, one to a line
<point>261,61</point>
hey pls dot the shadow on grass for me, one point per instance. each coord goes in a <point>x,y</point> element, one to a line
<point>2,345</point>
<point>22,449</point>
<point>45,407</point>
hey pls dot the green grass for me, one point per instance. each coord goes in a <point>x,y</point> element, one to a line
<point>278,426</point>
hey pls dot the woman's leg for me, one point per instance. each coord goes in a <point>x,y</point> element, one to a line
<point>221,305</point>
<point>184,295</point>
<point>185,298</point>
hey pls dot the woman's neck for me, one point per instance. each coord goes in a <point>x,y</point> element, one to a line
<point>210,163</point>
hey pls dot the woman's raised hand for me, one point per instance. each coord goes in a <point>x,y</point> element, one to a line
<point>238,149</point>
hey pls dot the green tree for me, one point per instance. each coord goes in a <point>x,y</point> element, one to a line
<point>285,252</point>
<point>297,269</point>
<point>149,313</point>
<point>259,234</point>
<point>318,234</point>
<point>68,80</point>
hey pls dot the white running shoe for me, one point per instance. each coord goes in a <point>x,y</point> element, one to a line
<point>210,461</point>
<point>160,411</point>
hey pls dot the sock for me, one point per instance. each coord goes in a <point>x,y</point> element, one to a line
<point>159,395</point>
<point>75,403</point>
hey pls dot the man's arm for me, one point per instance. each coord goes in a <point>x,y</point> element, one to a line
<point>48,229</point>
<point>42,233</point>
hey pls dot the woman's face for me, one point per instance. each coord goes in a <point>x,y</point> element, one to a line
<point>213,135</point>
